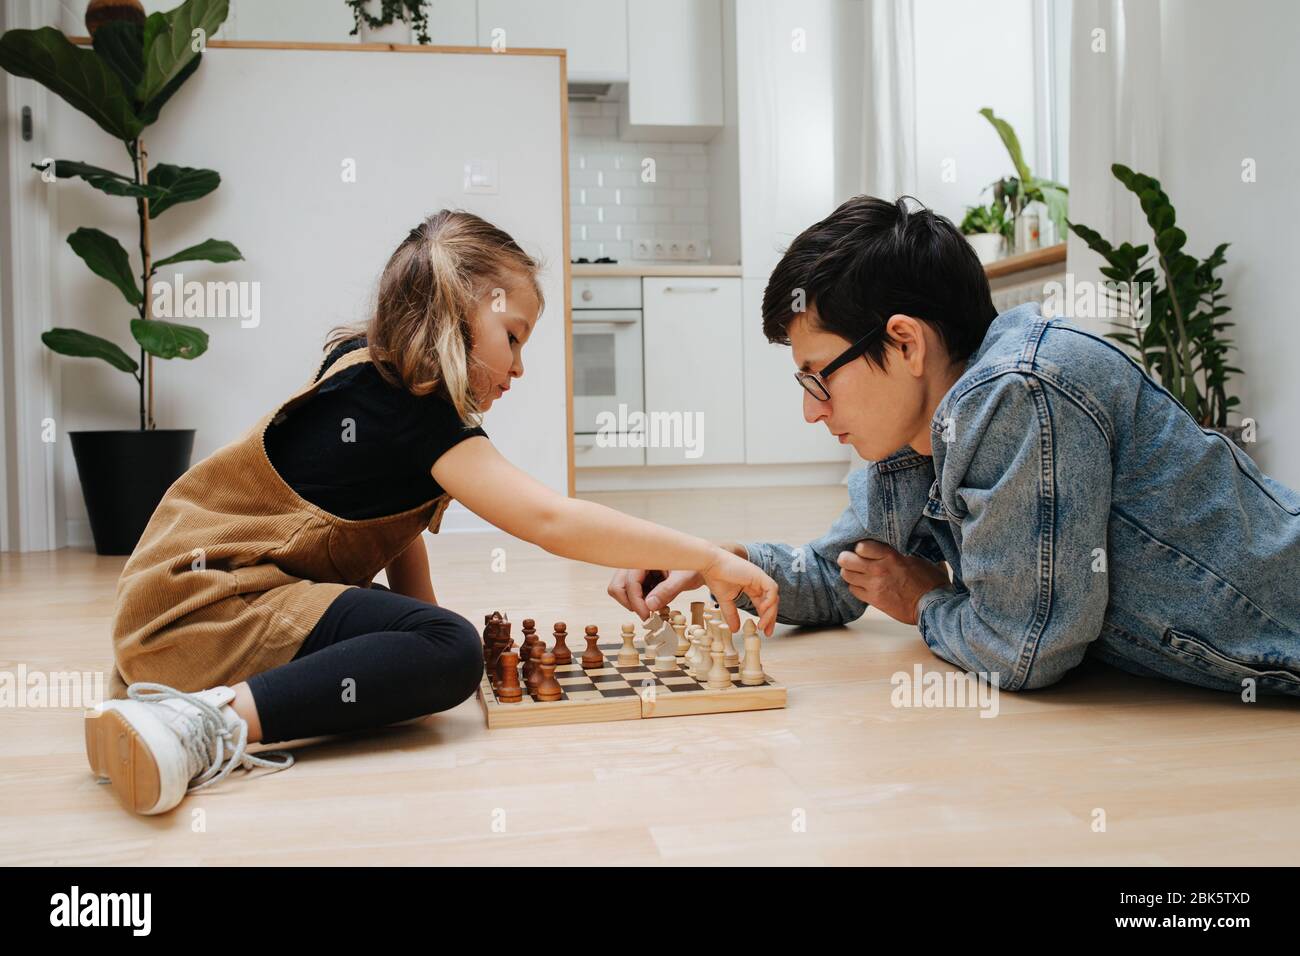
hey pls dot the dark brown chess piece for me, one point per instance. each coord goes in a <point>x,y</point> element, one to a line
<point>500,645</point>
<point>548,688</point>
<point>534,674</point>
<point>592,656</point>
<point>508,689</point>
<point>530,640</point>
<point>490,622</point>
<point>561,650</point>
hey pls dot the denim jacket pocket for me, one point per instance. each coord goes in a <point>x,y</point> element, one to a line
<point>1210,659</point>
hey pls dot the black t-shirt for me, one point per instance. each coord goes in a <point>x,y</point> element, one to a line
<point>378,464</point>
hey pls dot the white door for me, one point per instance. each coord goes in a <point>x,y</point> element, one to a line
<point>694,371</point>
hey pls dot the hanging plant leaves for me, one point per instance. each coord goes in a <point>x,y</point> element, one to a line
<point>77,75</point>
<point>149,111</point>
<point>169,340</point>
<point>107,259</point>
<point>84,345</point>
<point>211,250</point>
<point>177,184</point>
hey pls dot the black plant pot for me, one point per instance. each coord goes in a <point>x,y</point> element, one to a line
<point>124,475</point>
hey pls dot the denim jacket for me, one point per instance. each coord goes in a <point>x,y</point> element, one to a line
<point>1082,511</point>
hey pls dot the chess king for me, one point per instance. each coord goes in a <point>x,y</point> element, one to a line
<point>1031,497</point>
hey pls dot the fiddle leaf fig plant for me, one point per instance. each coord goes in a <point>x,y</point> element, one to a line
<point>133,68</point>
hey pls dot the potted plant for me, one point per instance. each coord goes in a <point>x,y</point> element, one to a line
<point>136,64</point>
<point>1177,328</point>
<point>988,229</point>
<point>1020,191</point>
<point>390,21</point>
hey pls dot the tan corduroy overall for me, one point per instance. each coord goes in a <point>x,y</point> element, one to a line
<point>235,568</point>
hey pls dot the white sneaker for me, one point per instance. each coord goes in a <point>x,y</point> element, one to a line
<point>163,743</point>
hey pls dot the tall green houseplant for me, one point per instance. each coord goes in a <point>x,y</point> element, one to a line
<point>135,66</point>
<point>1180,333</point>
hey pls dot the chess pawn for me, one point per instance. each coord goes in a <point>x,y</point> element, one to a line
<point>751,672</point>
<point>548,688</point>
<point>561,650</point>
<point>699,657</point>
<point>728,646</point>
<point>627,655</point>
<point>592,656</point>
<point>508,689</point>
<point>679,626</point>
<point>534,673</point>
<point>719,676</point>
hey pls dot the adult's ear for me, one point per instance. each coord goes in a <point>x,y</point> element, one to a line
<point>908,334</point>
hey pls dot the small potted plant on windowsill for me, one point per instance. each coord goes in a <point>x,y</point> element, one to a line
<point>988,230</point>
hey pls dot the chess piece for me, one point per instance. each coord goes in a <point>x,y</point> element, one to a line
<point>697,613</point>
<point>501,642</point>
<point>548,688</point>
<point>561,650</point>
<point>649,639</point>
<point>751,672</point>
<point>719,676</point>
<point>530,641</point>
<point>679,626</point>
<point>490,622</point>
<point>627,655</point>
<point>698,658</point>
<point>508,689</point>
<point>534,674</point>
<point>728,646</point>
<point>592,656</point>
<point>660,643</point>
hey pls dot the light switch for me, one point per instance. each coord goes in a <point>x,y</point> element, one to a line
<point>480,176</point>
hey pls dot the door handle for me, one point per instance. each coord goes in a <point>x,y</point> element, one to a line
<point>691,288</point>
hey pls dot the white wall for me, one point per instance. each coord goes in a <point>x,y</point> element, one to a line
<point>277,125</point>
<point>1231,76</point>
<point>968,56</point>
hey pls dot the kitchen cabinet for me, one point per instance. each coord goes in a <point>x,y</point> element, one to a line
<point>674,67</point>
<point>694,364</point>
<point>593,32</point>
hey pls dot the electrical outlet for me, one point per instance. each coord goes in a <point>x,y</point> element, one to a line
<point>668,249</point>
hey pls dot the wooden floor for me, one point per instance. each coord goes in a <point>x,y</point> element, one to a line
<point>1182,775</point>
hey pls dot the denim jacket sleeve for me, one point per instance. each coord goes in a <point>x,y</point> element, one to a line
<point>1025,482</point>
<point>808,580</point>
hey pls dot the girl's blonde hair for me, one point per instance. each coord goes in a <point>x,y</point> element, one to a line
<point>421,332</point>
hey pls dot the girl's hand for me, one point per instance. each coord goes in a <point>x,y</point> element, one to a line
<point>644,592</point>
<point>728,575</point>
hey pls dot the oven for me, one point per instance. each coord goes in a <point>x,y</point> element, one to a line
<point>607,371</point>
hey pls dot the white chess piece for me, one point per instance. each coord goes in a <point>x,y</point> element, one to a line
<point>719,676</point>
<point>679,627</point>
<point>652,626</point>
<point>627,655</point>
<point>732,657</point>
<point>699,656</point>
<point>751,672</point>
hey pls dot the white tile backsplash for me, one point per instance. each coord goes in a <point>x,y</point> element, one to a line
<point>610,205</point>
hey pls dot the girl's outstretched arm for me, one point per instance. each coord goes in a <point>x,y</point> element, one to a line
<point>475,474</point>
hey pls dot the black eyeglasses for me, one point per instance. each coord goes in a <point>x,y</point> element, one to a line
<point>814,383</point>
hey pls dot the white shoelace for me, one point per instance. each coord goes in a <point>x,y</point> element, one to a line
<point>207,738</point>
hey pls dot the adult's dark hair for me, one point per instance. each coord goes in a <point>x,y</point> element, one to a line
<point>871,259</point>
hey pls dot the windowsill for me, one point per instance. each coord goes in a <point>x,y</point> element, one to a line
<point>1025,261</point>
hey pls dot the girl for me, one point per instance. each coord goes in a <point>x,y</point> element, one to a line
<point>247,614</point>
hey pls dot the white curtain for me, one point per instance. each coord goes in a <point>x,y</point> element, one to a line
<point>1114,118</point>
<point>888,147</point>
<point>889,99</point>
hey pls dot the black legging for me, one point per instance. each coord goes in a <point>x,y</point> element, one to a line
<point>375,658</point>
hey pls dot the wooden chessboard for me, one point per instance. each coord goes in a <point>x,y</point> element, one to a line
<point>612,692</point>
